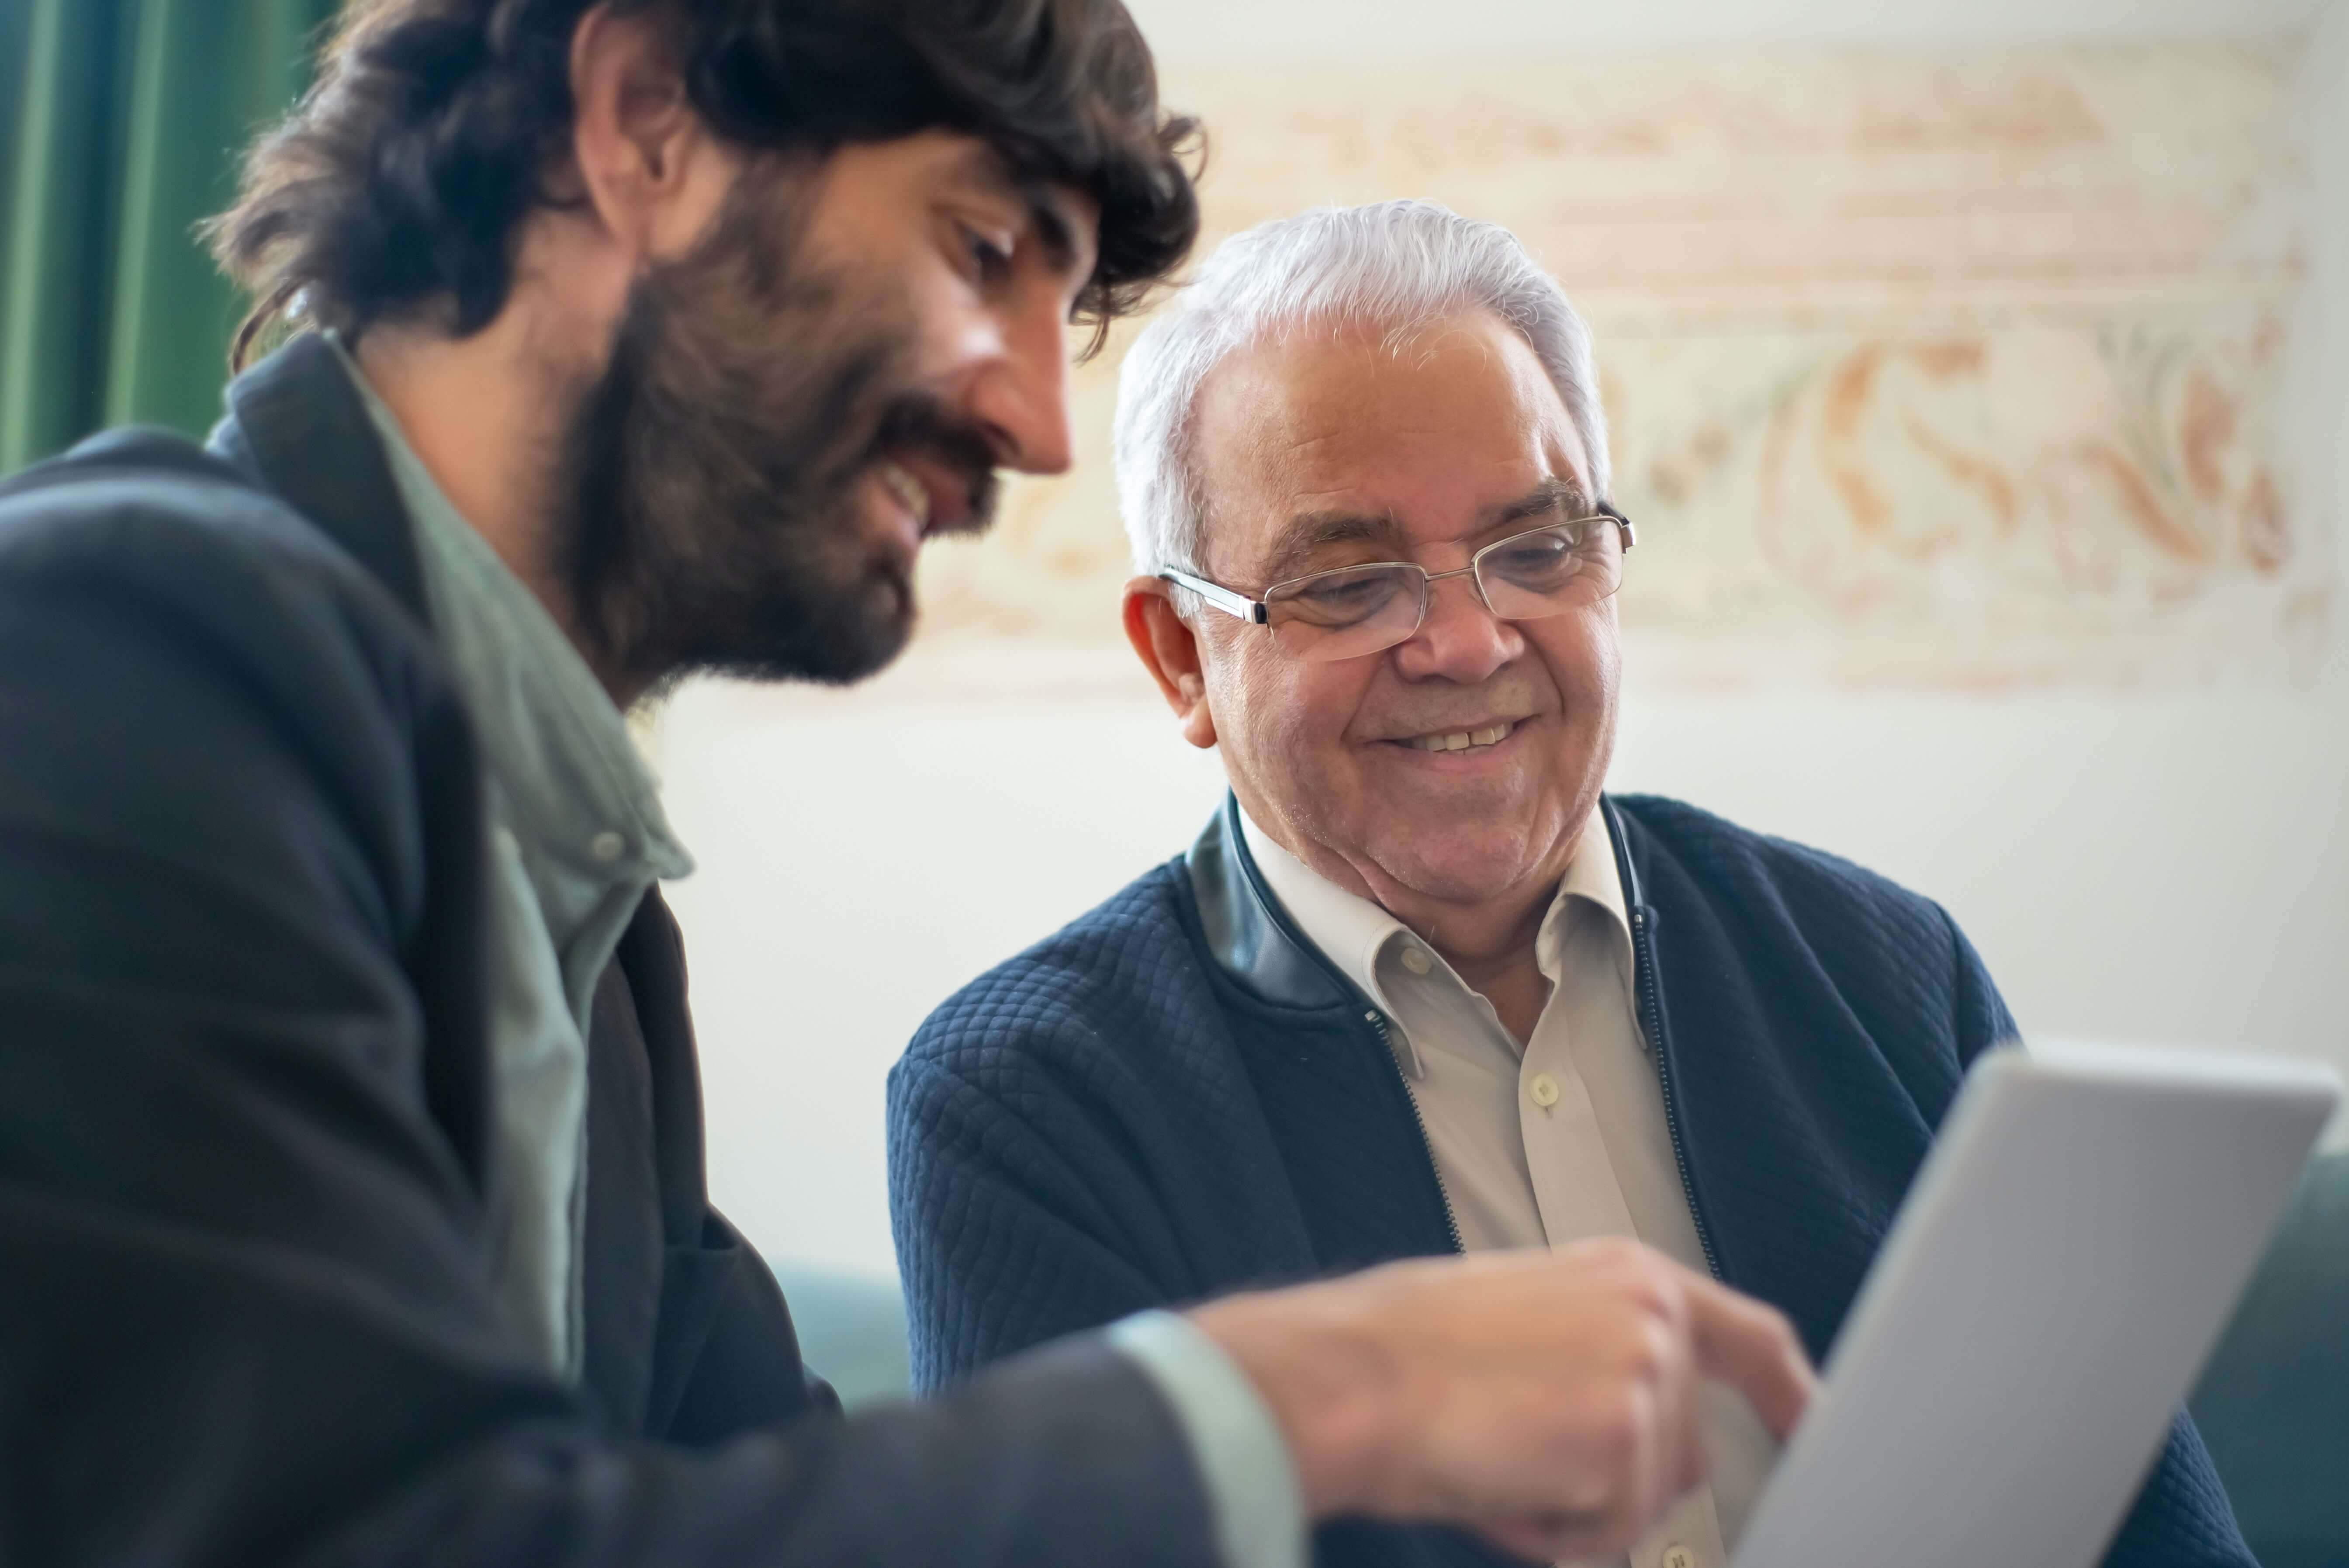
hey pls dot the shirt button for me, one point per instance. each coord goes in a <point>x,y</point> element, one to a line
<point>1679,1556</point>
<point>607,846</point>
<point>1544,1094</point>
<point>1416,960</point>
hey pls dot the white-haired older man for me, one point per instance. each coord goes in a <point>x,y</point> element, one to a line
<point>1420,986</point>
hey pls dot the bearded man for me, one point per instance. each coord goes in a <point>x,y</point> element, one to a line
<point>351,1193</point>
<point>1422,987</point>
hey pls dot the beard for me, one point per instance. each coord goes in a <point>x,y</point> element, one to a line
<point>708,483</point>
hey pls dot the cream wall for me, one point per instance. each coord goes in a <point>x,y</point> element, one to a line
<point>2172,866</point>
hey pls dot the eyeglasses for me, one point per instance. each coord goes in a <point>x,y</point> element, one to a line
<point>1352,611</point>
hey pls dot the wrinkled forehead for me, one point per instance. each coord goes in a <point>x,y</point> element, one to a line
<point>1416,438</point>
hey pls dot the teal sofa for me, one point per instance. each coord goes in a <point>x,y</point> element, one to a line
<point>852,1330</point>
<point>2274,1402</point>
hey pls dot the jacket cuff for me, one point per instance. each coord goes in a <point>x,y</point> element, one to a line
<point>1242,1457</point>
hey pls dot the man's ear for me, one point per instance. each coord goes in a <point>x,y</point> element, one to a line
<point>649,168</point>
<point>1169,650</point>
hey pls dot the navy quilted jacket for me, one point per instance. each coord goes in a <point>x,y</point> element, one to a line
<point>1177,1096</point>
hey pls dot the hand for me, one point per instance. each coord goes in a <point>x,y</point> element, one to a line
<point>1546,1399</point>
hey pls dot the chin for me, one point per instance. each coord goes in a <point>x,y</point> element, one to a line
<point>1461,864</point>
<point>833,638</point>
<point>871,615</point>
<point>1466,882</point>
<point>870,636</point>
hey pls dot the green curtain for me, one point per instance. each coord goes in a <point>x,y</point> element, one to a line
<point>120,124</point>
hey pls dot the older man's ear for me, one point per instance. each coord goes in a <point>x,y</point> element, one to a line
<point>1169,650</point>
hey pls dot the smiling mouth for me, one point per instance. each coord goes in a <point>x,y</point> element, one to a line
<point>940,490</point>
<point>910,492</point>
<point>1478,740</point>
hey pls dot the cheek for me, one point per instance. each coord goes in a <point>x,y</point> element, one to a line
<point>1584,655</point>
<point>951,331</point>
<point>1279,720</point>
<point>1585,658</point>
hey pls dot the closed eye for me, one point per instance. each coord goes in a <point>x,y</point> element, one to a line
<point>989,259</point>
<point>1335,599</point>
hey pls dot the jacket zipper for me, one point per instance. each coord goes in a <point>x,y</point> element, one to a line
<point>1652,1016</point>
<point>1426,1144</point>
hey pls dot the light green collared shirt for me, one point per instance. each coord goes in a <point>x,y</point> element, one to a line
<point>576,837</point>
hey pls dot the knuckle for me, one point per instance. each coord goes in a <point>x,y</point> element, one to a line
<point>1657,1291</point>
<point>1626,1426</point>
<point>1654,1352</point>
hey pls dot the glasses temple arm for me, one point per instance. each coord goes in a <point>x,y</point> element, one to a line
<point>1222,597</point>
<point>1630,534</point>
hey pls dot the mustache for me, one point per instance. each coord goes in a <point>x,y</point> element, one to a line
<point>920,426</point>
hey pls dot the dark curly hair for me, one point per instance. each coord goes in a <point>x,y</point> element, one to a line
<point>403,178</point>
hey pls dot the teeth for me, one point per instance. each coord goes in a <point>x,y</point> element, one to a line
<point>1461,740</point>
<point>907,489</point>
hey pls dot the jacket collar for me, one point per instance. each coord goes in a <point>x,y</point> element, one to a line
<point>296,425</point>
<point>1249,935</point>
<point>1256,944</point>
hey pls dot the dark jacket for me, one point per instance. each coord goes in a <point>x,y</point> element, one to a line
<point>1179,1095</point>
<point>247,1183</point>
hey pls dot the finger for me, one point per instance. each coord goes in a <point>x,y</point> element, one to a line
<point>1565,1535</point>
<point>1545,1538</point>
<point>1652,1463</point>
<point>1695,1460</point>
<point>1607,1493</point>
<point>1676,1462</point>
<point>1750,1346</point>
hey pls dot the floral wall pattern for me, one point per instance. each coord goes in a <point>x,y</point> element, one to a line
<point>1926,369</point>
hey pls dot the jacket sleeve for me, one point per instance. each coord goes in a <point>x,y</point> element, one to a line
<point>2181,1519</point>
<point>1980,1017</point>
<point>1006,1237</point>
<point>244,1280</point>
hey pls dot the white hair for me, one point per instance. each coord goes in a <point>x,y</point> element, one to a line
<point>1396,264</point>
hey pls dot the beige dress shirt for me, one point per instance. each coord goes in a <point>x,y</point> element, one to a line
<point>1560,1141</point>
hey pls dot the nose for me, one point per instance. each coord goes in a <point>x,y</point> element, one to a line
<point>1461,640</point>
<point>1021,392</point>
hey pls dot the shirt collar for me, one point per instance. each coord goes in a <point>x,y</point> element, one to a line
<point>578,789</point>
<point>1592,877</point>
<point>1355,933</point>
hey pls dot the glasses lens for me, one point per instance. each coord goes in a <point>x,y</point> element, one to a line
<point>1552,570</point>
<point>1346,613</point>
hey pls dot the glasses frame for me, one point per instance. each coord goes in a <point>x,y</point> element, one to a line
<point>1258,612</point>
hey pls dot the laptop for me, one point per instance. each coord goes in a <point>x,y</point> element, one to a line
<point>2062,1268</point>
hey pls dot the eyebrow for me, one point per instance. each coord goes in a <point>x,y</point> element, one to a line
<point>1566,496</point>
<point>1309,532</point>
<point>1046,206</point>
